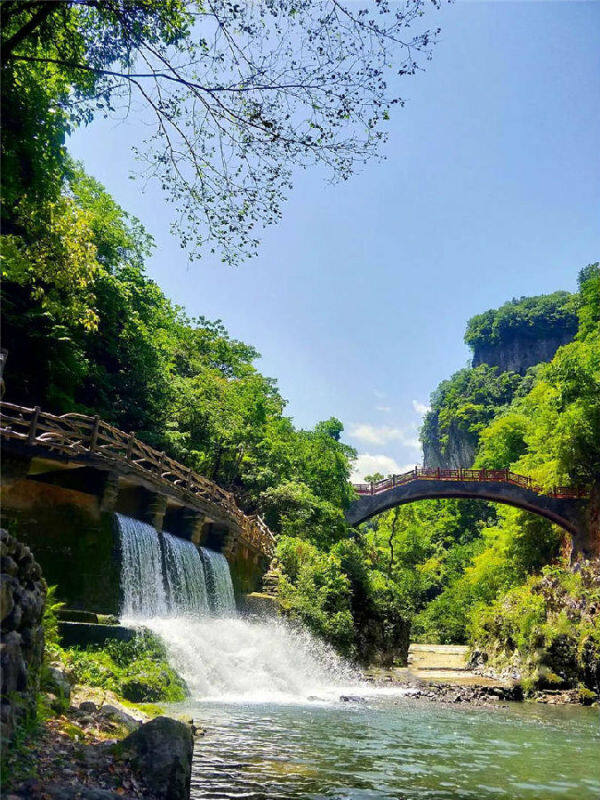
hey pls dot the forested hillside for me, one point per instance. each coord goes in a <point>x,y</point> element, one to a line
<point>496,577</point>
<point>508,343</point>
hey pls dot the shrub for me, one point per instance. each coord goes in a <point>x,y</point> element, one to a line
<point>549,627</point>
<point>137,670</point>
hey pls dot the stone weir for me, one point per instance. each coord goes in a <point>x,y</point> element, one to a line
<point>65,477</point>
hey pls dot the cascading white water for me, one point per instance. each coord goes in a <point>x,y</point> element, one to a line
<point>141,569</point>
<point>222,656</point>
<point>242,660</point>
<point>176,579</point>
<point>186,579</point>
<point>219,582</point>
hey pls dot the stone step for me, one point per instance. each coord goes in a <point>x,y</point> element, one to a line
<point>81,634</point>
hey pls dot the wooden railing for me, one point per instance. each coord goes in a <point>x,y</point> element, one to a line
<point>80,435</point>
<point>478,475</point>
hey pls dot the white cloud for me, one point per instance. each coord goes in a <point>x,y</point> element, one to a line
<point>382,434</point>
<point>420,408</point>
<point>385,409</point>
<point>368,464</point>
<point>379,395</point>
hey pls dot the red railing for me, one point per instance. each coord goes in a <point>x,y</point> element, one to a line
<point>472,475</point>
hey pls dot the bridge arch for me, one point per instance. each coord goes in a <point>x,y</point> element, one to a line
<point>564,507</point>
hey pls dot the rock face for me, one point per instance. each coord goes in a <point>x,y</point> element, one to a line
<point>520,351</point>
<point>459,452</point>
<point>162,749</point>
<point>22,597</point>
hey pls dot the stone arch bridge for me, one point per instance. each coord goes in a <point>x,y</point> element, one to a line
<point>565,506</point>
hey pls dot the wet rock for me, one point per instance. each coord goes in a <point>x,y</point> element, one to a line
<point>22,594</point>
<point>162,749</point>
<point>88,707</point>
<point>8,566</point>
<point>14,669</point>
<point>7,603</point>
<point>351,698</point>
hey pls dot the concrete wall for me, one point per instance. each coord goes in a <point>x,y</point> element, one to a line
<point>247,570</point>
<point>75,542</point>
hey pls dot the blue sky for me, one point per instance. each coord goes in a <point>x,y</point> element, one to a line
<point>490,190</point>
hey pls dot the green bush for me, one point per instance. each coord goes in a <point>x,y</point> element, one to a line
<point>549,627</point>
<point>137,670</point>
<point>532,316</point>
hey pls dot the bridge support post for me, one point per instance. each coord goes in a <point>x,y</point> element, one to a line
<point>193,525</point>
<point>153,510</point>
<point>230,543</point>
<point>109,492</point>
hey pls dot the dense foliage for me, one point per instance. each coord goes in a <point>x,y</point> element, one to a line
<point>524,317</point>
<point>461,407</point>
<point>137,670</point>
<point>547,628</point>
<point>113,344</point>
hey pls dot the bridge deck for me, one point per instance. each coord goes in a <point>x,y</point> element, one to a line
<point>565,506</point>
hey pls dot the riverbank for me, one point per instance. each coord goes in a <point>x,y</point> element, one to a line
<point>442,673</point>
<point>100,748</point>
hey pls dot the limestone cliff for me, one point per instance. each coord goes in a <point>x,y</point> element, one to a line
<point>522,332</point>
<point>506,343</point>
<point>523,349</point>
<point>458,452</point>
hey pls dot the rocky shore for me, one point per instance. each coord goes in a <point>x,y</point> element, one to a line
<point>451,673</point>
<point>485,693</point>
<point>101,750</point>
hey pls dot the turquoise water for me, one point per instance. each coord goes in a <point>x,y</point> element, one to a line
<point>396,748</point>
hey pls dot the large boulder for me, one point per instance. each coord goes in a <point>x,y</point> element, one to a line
<point>162,749</point>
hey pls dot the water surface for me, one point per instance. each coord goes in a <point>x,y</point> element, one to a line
<point>396,748</point>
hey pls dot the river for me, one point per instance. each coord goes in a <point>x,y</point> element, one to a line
<point>395,748</point>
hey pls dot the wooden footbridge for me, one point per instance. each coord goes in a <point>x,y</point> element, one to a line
<point>76,443</point>
<point>566,506</point>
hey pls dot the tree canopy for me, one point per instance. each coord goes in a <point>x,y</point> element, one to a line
<point>235,95</point>
<point>525,316</point>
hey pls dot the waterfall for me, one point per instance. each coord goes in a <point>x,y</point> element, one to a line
<point>219,582</point>
<point>186,578</point>
<point>185,595</point>
<point>182,580</point>
<point>141,569</point>
<point>245,660</point>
